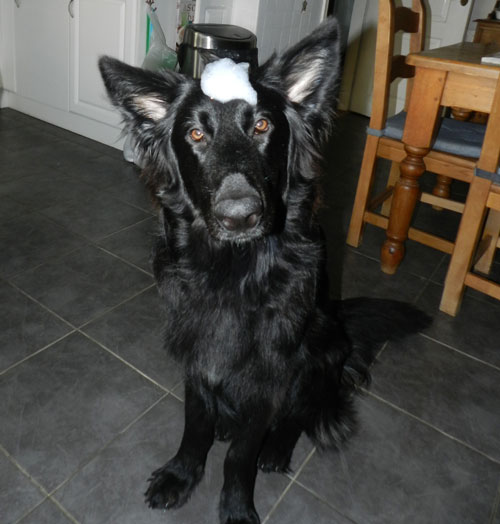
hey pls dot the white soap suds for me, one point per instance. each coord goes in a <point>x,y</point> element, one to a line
<point>225,80</point>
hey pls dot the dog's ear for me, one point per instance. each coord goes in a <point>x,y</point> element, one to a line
<point>143,97</point>
<point>309,72</point>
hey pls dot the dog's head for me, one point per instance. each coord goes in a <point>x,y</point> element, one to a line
<point>234,158</point>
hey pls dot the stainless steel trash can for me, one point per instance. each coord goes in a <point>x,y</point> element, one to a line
<point>204,43</point>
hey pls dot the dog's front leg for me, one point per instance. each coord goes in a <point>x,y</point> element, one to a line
<point>240,471</point>
<point>171,485</point>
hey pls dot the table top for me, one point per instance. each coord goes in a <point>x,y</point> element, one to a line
<point>464,57</point>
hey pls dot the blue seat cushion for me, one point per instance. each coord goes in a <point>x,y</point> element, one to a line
<point>454,136</point>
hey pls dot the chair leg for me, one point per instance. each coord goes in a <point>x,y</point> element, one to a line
<point>393,178</point>
<point>490,234</point>
<point>441,189</point>
<point>467,238</point>
<point>365,182</point>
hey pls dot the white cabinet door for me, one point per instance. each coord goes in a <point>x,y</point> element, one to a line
<point>99,27</point>
<point>41,51</point>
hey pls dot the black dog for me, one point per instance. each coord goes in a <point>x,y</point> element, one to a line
<point>240,266</point>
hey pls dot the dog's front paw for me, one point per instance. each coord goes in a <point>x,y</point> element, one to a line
<point>239,515</point>
<point>248,519</point>
<point>171,486</point>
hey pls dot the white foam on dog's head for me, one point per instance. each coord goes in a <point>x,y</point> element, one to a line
<point>225,80</point>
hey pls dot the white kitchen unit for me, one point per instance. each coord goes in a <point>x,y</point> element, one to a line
<point>49,66</point>
<point>49,49</point>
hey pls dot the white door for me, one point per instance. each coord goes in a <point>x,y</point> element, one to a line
<point>41,44</point>
<point>99,27</point>
<point>447,22</point>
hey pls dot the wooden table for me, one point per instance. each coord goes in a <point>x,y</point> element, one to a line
<point>451,76</point>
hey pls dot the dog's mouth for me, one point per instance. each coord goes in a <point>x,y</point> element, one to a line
<point>238,211</point>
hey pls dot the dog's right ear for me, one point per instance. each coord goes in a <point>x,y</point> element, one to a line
<point>143,97</point>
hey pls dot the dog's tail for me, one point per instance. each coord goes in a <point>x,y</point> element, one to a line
<point>368,323</point>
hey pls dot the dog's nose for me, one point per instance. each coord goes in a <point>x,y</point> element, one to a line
<point>238,206</point>
<point>239,214</point>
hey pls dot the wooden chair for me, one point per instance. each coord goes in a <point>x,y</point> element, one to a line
<point>455,150</point>
<point>483,195</point>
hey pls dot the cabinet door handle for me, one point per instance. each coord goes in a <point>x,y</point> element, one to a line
<point>18,3</point>
<point>70,9</point>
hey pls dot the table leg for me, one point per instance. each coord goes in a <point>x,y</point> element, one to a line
<point>405,197</point>
<point>423,111</point>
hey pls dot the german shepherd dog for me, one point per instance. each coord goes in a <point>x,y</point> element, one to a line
<point>239,262</point>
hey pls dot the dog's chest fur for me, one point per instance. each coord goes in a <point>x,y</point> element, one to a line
<point>242,299</point>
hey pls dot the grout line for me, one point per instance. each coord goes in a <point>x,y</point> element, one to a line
<point>12,459</point>
<point>118,257</point>
<point>324,501</point>
<point>289,485</point>
<point>116,306</point>
<point>64,510</point>
<point>41,304</point>
<point>463,353</point>
<point>45,493</point>
<point>37,352</point>
<point>98,451</point>
<point>429,425</point>
<point>126,362</point>
<point>495,509</point>
<point>124,228</point>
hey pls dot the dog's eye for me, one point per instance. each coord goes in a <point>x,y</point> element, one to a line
<point>261,126</point>
<point>196,135</point>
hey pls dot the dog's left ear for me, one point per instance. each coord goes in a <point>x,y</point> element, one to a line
<point>143,97</point>
<point>310,74</point>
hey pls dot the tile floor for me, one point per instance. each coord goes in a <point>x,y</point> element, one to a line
<point>90,404</point>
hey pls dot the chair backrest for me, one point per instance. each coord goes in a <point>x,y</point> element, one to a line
<point>388,65</point>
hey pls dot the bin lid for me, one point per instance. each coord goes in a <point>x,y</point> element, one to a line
<point>217,36</point>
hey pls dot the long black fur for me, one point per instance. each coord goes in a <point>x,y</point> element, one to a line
<point>266,354</point>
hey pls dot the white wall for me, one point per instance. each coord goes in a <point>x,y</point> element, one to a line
<point>7,67</point>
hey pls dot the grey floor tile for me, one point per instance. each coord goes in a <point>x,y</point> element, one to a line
<point>135,331</point>
<point>94,216</point>
<point>17,164</point>
<point>46,513</point>
<point>132,190</point>
<point>133,243</point>
<point>397,470</point>
<point>110,488</point>
<point>495,510</point>
<point>17,493</point>
<point>419,259</point>
<point>84,284</point>
<point>64,404</point>
<point>71,155</point>
<point>30,240</point>
<point>26,137</point>
<point>300,507</point>
<point>474,330</point>
<point>103,171</point>
<point>42,190</point>
<point>361,276</point>
<point>10,209</point>
<point>451,391</point>
<point>25,327</point>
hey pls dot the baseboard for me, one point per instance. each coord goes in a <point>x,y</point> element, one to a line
<point>87,127</point>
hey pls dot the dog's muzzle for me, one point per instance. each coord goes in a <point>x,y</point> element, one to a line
<point>237,205</point>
